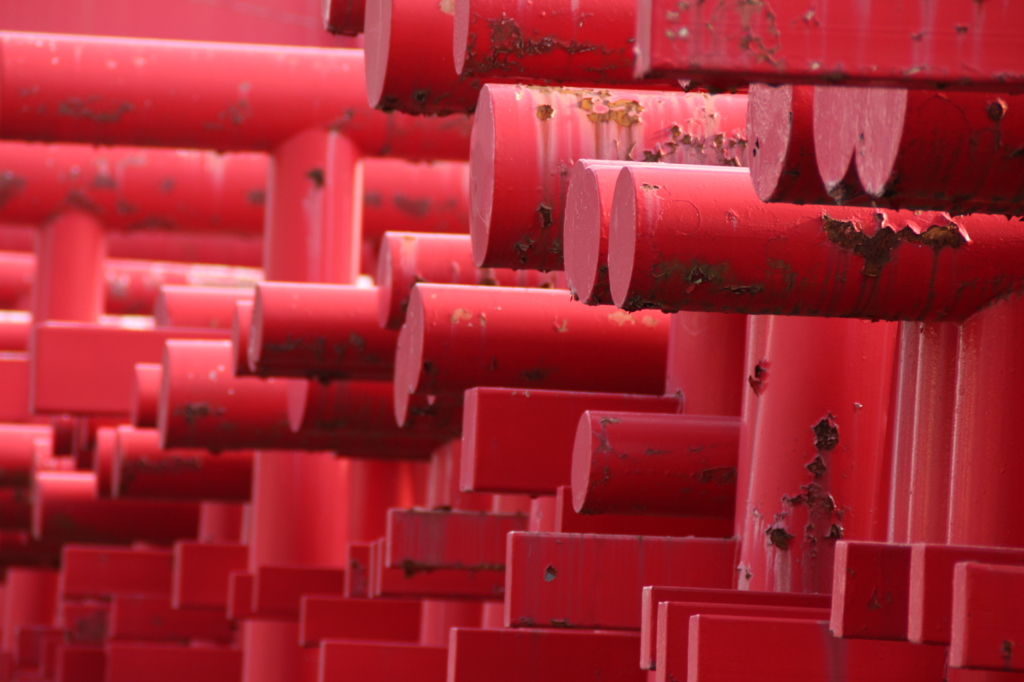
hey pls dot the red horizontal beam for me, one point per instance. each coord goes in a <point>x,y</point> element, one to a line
<point>127,91</point>
<point>348,661</point>
<point>191,247</point>
<point>198,307</point>
<point>107,571</point>
<point>246,412</point>
<point>278,590</point>
<point>524,139</point>
<point>797,260</point>
<point>776,649</point>
<point>946,44</point>
<point>135,188</point>
<point>568,520</point>
<point>169,663</point>
<point>400,34</point>
<point>61,383</point>
<point>59,496</point>
<point>152,619</point>
<point>343,412</point>
<point>673,637</point>
<point>81,664</point>
<point>327,331</point>
<point>407,258</point>
<point>552,577</point>
<point>458,337</point>
<point>502,655</point>
<point>399,196</point>
<point>444,583</point>
<point>653,596</point>
<point>645,463</point>
<point>142,469</point>
<point>498,455</point>
<point>550,43</point>
<point>418,539</point>
<point>131,285</point>
<point>324,618</point>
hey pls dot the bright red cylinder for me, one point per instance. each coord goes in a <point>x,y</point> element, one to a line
<point>661,464</point>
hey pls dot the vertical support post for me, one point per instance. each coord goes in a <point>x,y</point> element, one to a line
<point>70,278</point>
<point>924,393</point>
<point>705,356</point>
<point>31,599</point>
<point>985,501</point>
<point>818,471</point>
<point>314,210</point>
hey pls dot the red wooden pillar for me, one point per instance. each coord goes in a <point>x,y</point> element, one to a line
<point>314,210</point>
<point>985,504</point>
<point>31,599</point>
<point>70,278</point>
<point>924,394</point>
<point>817,470</point>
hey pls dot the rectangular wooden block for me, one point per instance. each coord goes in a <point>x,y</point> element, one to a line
<point>674,629</point>
<point>277,590</point>
<point>520,441</point>
<point>595,581</point>
<point>393,620</point>
<point>424,539</point>
<point>542,656</point>
<point>931,585</point>
<point>202,571</point>
<point>170,663</point>
<point>99,571</point>
<point>730,648</point>
<point>346,661</point>
<point>652,596</point>
<point>988,617</point>
<point>871,590</point>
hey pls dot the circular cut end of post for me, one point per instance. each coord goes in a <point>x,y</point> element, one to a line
<point>482,145</point>
<point>408,357</point>
<point>255,340</point>
<point>240,324</point>
<point>163,414</point>
<point>377,46</point>
<point>297,397</point>
<point>582,453</point>
<point>883,118</point>
<point>117,464</point>
<point>388,315</point>
<point>460,44</point>
<point>103,460</point>
<point>582,232</point>
<point>622,239</point>
<point>836,127</point>
<point>769,129</point>
<point>145,394</point>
